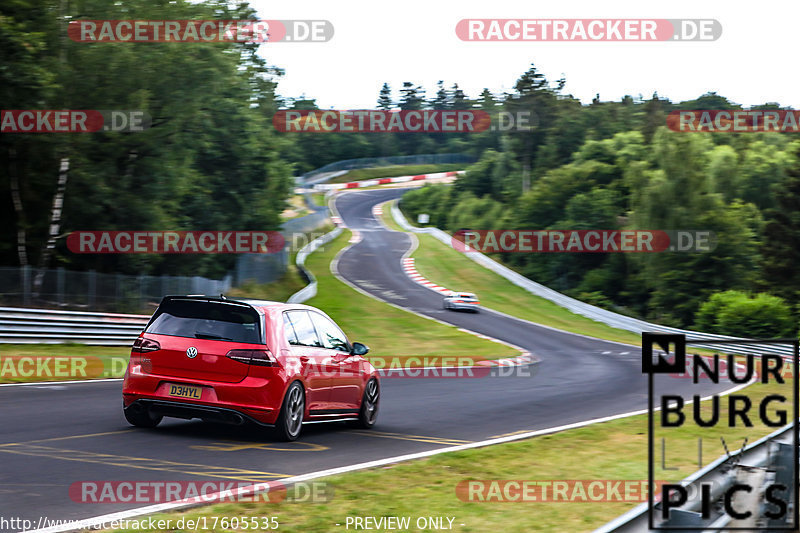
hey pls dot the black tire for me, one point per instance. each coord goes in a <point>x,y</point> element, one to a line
<point>290,420</point>
<point>368,413</point>
<point>142,419</point>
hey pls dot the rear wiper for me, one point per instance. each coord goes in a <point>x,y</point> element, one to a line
<point>212,336</point>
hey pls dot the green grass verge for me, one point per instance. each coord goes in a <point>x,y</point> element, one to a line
<point>388,220</point>
<point>61,362</point>
<point>393,171</point>
<point>449,268</point>
<point>615,450</point>
<point>318,198</point>
<point>389,331</point>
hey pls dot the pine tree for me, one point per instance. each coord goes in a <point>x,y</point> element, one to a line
<point>411,97</point>
<point>385,98</point>
<point>440,101</point>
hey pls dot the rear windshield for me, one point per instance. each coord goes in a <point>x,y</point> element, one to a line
<point>465,295</point>
<point>207,320</point>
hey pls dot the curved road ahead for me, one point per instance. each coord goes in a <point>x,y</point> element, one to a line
<point>579,378</point>
<point>57,435</point>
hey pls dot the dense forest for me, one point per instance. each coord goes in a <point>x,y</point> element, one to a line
<point>615,165</point>
<point>213,160</point>
<point>210,160</point>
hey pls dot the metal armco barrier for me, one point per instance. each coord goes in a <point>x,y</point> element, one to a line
<point>310,290</point>
<point>772,452</point>
<point>339,167</point>
<point>44,326</point>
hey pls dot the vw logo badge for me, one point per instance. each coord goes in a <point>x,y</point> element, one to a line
<point>191,352</point>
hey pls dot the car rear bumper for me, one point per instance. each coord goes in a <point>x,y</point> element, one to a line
<point>470,307</point>
<point>255,398</point>
<point>209,413</point>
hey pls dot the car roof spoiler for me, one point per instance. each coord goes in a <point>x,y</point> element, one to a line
<point>202,298</point>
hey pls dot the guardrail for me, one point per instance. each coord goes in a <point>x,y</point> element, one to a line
<point>22,325</point>
<point>368,162</point>
<point>605,316</point>
<point>310,290</point>
<point>774,453</point>
<point>44,326</point>
<point>387,181</point>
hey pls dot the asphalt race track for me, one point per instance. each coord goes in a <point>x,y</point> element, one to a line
<point>56,435</point>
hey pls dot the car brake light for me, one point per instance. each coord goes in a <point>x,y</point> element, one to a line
<point>142,345</point>
<point>252,357</point>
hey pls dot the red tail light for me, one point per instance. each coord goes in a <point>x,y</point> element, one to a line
<point>142,345</point>
<point>252,357</point>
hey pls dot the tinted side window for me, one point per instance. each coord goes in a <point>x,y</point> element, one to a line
<point>291,336</point>
<point>304,328</point>
<point>332,336</point>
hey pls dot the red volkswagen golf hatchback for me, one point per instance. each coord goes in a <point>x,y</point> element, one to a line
<point>275,364</point>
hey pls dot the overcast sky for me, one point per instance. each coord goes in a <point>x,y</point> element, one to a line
<point>753,62</point>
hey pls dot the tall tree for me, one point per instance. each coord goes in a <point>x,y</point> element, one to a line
<point>534,100</point>
<point>440,101</point>
<point>412,97</point>
<point>781,249</point>
<point>385,98</point>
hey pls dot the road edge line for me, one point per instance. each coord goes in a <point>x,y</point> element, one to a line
<point>88,523</point>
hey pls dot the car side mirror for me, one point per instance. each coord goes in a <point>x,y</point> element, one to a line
<point>359,349</point>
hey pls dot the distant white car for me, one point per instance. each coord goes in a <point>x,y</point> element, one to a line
<point>461,300</point>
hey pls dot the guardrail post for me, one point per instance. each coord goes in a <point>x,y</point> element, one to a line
<point>92,282</point>
<point>783,464</point>
<point>682,519</point>
<point>60,278</point>
<point>26,285</point>
<point>752,477</point>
